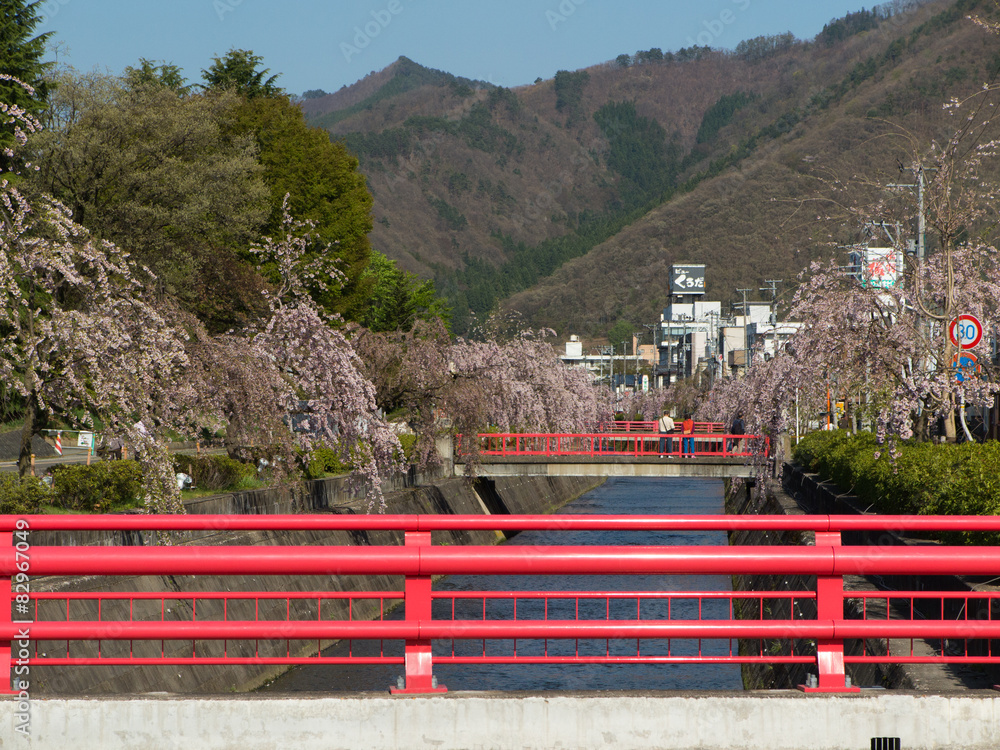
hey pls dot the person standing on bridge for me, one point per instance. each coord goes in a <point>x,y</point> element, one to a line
<point>737,428</point>
<point>664,426</point>
<point>687,442</point>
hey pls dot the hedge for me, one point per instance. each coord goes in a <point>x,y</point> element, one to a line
<point>921,479</point>
<point>214,472</point>
<point>105,486</point>
<point>19,497</point>
<point>323,461</point>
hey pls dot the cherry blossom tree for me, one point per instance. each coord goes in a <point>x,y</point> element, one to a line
<point>680,398</point>
<point>85,339</point>
<point>507,380</point>
<point>295,369</point>
<point>891,345</point>
<point>872,341</point>
<point>81,336</point>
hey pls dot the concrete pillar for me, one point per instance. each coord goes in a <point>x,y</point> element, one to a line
<point>446,450</point>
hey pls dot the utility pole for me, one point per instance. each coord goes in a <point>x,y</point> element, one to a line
<point>607,351</point>
<point>921,219</point>
<point>746,345</point>
<point>713,327</point>
<point>772,286</point>
<point>637,338</point>
<point>684,354</point>
<point>656,354</point>
<point>918,170</point>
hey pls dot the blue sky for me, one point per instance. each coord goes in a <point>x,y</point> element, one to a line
<point>327,44</point>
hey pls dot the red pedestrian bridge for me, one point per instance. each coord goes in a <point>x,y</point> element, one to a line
<point>566,627</point>
<point>624,449</point>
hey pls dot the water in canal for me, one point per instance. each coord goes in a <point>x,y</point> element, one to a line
<point>617,496</point>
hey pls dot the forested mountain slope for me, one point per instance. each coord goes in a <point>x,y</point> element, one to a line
<point>567,200</point>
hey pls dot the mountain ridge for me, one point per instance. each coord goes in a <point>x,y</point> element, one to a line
<point>521,195</point>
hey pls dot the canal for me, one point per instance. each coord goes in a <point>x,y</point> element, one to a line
<point>618,496</point>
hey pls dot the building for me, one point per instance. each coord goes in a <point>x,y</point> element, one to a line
<point>737,340</point>
<point>688,328</point>
<point>608,366</point>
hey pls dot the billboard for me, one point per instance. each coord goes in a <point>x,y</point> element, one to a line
<point>687,279</point>
<point>878,267</point>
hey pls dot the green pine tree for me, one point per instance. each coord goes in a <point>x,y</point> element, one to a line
<point>21,53</point>
<point>237,70</point>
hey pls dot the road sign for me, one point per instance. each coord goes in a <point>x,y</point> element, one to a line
<point>965,331</point>
<point>85,440</point>
<point>965,365</point>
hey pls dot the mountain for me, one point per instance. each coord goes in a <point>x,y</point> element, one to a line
<point>567,200</point>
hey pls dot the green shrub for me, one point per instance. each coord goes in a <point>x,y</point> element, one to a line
<point>214,472</point>
<point>323,461</point>
<point>21,496</point>
<point>409,443</point>
<point>919,478</point>
<point>104,486</point>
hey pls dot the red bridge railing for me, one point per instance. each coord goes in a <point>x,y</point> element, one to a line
<point>567,627</point>
<point>610,444</point>
<point>650,426</point>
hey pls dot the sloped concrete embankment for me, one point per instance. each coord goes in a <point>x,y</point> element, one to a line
<point>447,496</point>
<point>802,493</point>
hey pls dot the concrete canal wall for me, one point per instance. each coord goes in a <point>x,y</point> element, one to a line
<point>448,496</point>
<point>801,493</point>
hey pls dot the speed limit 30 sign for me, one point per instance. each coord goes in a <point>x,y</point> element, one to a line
<point>965,331</point>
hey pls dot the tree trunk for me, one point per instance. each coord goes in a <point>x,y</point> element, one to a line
<point>950,433</point>
<point>921,425</point>
<point>31,423</point>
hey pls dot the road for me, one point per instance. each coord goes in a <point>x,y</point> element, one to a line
<point>79,456</point>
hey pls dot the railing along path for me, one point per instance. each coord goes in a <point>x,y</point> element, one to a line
<point>567,627</point>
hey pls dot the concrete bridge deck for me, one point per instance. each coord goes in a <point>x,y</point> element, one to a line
<point>776,720</point>
<point>720,467</point>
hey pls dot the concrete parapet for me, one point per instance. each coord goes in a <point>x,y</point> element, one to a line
<point>776,720</point>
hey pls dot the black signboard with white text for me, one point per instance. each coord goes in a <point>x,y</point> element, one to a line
<point>687,279</point>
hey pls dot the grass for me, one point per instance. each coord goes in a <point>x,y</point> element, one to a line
<point>14,424</point>
<point>55,510</point>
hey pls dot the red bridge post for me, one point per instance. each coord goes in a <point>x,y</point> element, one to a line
<point>417,606</point>
<point>6,607</point>
<point>830,607</point>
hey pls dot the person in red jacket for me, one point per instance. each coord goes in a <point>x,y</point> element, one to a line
<point>687,428</point>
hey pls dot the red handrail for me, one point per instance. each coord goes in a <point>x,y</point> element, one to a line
<point>458,522</point>
<point>618,444</point>
<point>230,618</point>
<point>651,426</point>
